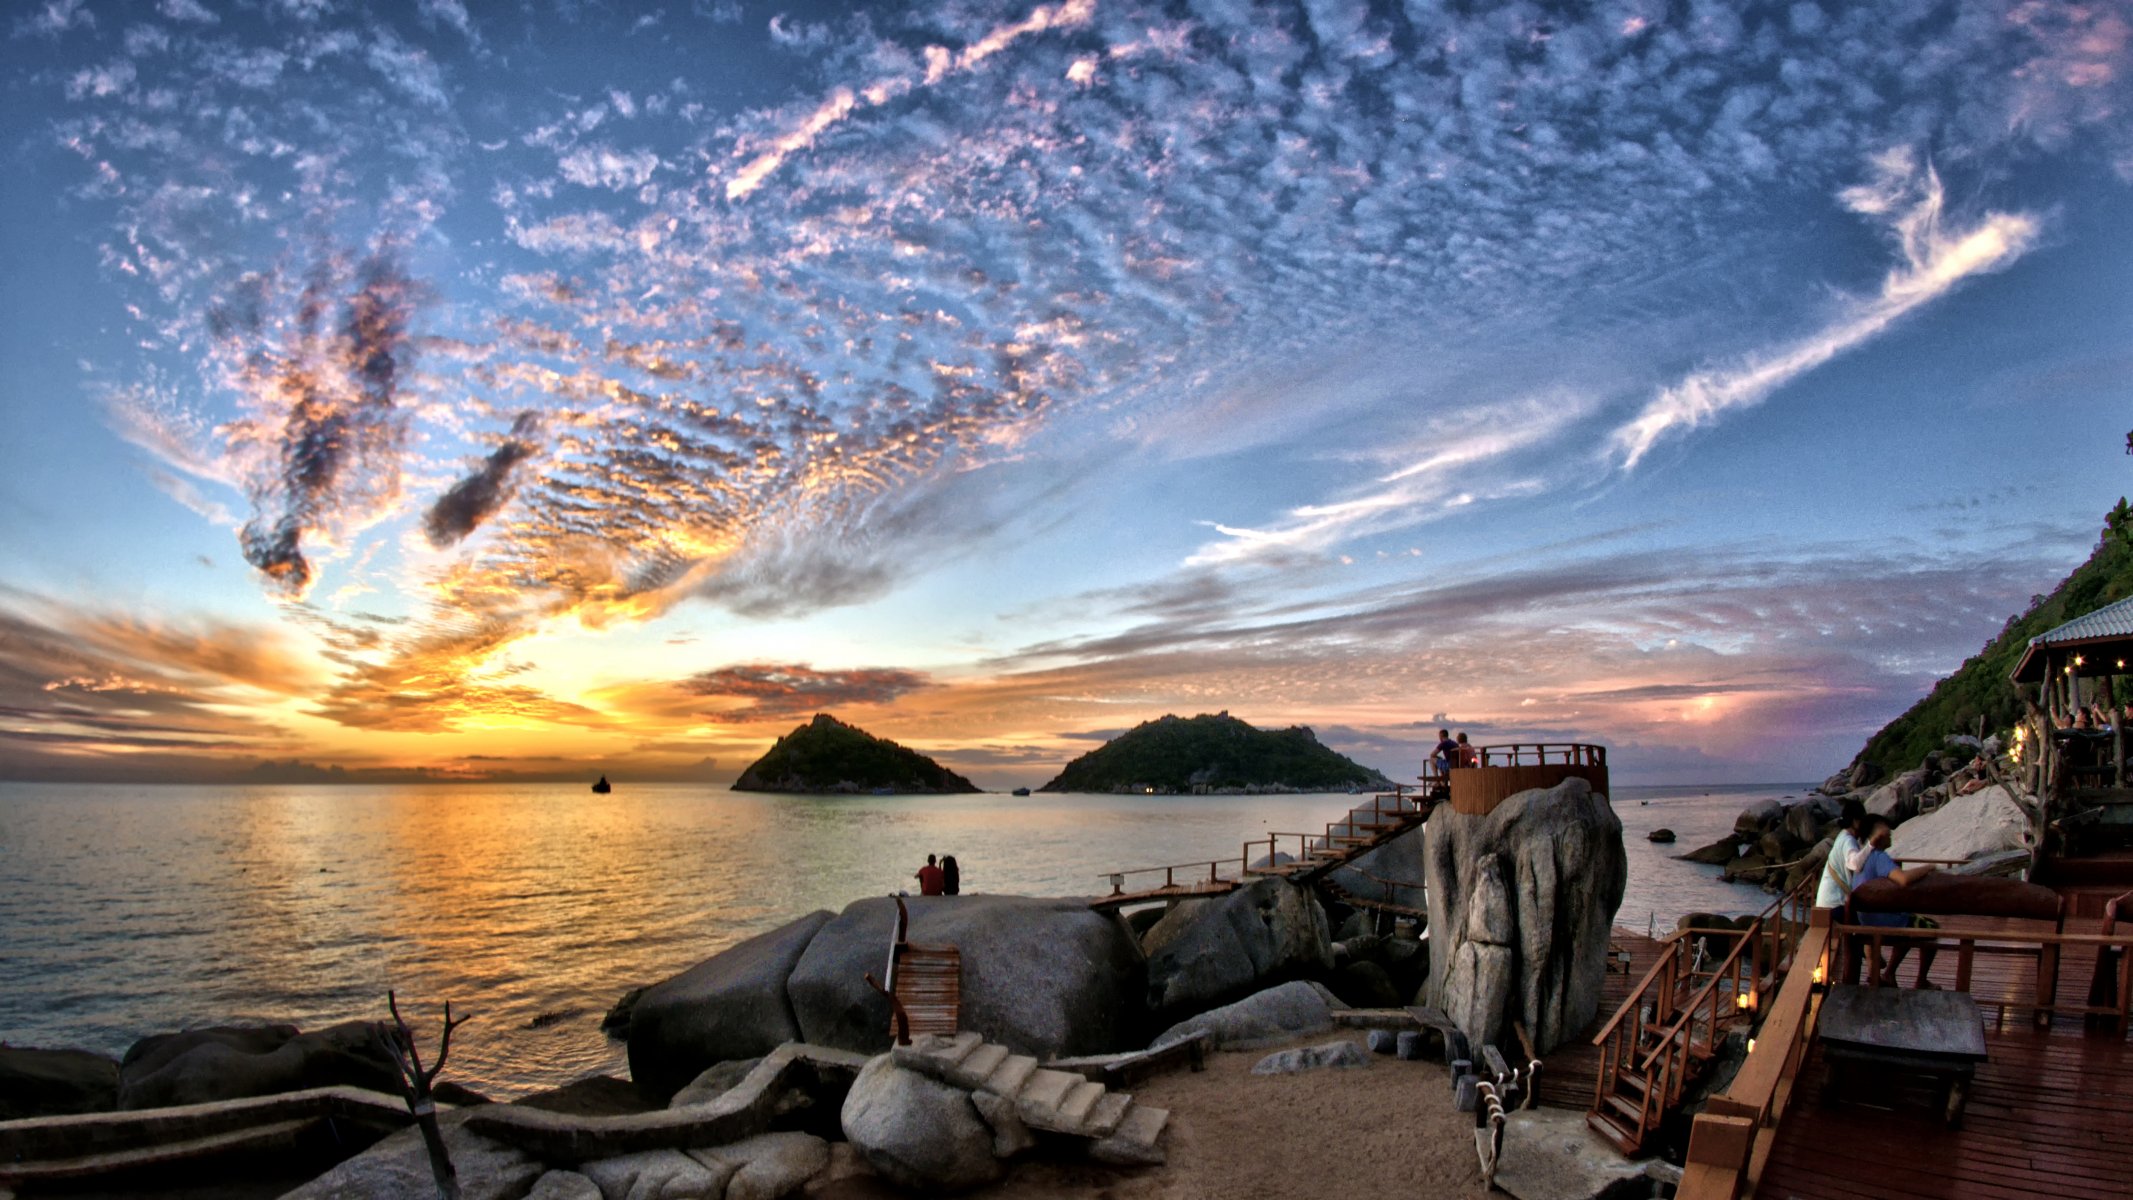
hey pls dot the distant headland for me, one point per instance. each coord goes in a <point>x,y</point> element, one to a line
<point>827,756</point>
<point>1213,753</point>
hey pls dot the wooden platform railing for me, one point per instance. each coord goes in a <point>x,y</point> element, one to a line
<point>1675,1018</point>
<point>1730,1141</point>
<point>1534,754</point>
<point>1734,1131</point>
<point>1208,871</point>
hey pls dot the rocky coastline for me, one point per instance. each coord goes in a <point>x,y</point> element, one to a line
<point>766,1070</point>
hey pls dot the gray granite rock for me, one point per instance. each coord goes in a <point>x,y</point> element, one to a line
<point>564,1185</point>
<point>730,1006</point>
<point>769,1165</point>
<point>234,1062</point>
<point>916,1132</point>
<point>715,1081</point>
<point>1278,1014</point>
<point>1312,1058</point>
<point>655,1175</point>
<point>1042,977</point>
<point>398,1167</point>
<point>55,1083</point>
<point>1553,862</point>
<point>1266,932</point>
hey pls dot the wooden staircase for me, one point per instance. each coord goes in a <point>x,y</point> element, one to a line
<point>1362,830</point>
<point>1673,1026</point>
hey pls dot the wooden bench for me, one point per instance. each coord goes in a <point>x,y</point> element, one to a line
<point>925,984</point>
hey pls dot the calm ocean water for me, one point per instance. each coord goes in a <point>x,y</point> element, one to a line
<point>126,911</point>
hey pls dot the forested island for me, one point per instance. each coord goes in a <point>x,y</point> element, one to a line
<point>826,755</point>
<point>1213,753</point>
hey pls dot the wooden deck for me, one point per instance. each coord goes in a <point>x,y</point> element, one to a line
<point>2050,1113</point>
<point>1571,1073</point>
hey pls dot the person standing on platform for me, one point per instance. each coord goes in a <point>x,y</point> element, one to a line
<point>929,878</point>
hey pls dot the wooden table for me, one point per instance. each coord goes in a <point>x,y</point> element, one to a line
<point>1870,1033</point>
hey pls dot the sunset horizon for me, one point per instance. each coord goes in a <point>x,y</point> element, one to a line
<point>430,395</point>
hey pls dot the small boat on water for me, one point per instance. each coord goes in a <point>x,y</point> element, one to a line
<point>603,787</point>
<point>1662,836</point>
<point>1021,791</point>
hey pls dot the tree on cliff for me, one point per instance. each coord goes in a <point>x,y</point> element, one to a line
<point>1979,687</point>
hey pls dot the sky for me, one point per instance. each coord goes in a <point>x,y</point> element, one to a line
<point>531,390</point>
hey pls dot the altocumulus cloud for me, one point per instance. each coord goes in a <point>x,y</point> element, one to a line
<point>960,233</point>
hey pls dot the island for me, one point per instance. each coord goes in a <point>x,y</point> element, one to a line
<point>826,756</point>
<point>1213,753</point>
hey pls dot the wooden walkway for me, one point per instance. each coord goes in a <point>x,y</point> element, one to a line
<point>2050,1113</point>
<point>1570,1074</point>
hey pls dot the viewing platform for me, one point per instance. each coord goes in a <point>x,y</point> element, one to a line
<point>1507,770</point>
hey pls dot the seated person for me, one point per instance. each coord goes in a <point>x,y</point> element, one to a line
<point>1873,862</point>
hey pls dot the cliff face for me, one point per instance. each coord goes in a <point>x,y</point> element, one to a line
<point>826,755</point>
<point>1979,687</point>
<point>1213,753</point>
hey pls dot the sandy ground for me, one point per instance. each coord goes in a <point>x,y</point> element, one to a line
<point>1383,1130</point>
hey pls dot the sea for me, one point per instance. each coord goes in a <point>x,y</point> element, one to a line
<point>132,910</point>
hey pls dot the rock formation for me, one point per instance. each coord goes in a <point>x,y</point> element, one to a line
<point>233,1062</point>
<point>53,1083</point>
<point>1045,977</point>
<point>1521,902</point>
<point>828,756</point>
<point>1209,952</point>
<point>730,1006</point>
<point>918,1132</point>
<point>1980,823</point>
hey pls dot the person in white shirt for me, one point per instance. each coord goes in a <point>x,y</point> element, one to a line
<point>1846,852</point>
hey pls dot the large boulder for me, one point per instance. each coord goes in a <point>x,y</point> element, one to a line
<point>1717,854</point>
<point>1266,932</point>
<point>1521,904</point>
<point>1278,1014</point>
<point>1984,822</point>
<point>729,1006</point>
<point>55,1083</point>
<point>1756,818</point>
<point>399,1167</point>
<point>1898,798</point>
<point>234,1062</point>
<point>1043,977</point>
<point>917,1132</point>
<point>657,1175</point>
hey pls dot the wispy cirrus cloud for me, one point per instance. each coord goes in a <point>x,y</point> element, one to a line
<point>1908,197</point>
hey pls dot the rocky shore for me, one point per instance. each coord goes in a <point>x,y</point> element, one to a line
<point>766,1069</point>
<point>1943,809</point>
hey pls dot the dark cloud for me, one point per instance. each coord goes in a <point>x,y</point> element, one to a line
<point>333,389</point>
<point>473,500</point>
<point>777,692</point>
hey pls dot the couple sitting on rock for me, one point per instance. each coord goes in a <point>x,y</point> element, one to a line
<point>940,879</point>
<point>1860,854</point>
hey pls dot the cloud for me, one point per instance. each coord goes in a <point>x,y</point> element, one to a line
<point>1908,199</point>
<point>777,692</point>
<point>474,499</point>
<point>325,451</point>
<point>55,17</point>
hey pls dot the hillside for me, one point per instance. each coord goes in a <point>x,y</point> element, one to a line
<point>1212,753</point>
<point>1979,688</point>
<point>826,755</point>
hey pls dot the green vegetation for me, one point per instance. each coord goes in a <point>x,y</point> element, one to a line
<point>1979,688</point>
<point>1212,753</point>
<point>827,755</point>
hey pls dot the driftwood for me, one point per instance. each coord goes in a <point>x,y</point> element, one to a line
<point>398,1043</point>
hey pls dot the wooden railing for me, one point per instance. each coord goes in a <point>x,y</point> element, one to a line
<point>1735,1129</point>
<point>1648,1062</point>
<point>1358,827</point>
<point>1731,1139</point>
<point>1533,754</point>
<point>1212,868</point>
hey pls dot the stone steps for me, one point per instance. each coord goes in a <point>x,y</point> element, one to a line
<point>1054,1101</point>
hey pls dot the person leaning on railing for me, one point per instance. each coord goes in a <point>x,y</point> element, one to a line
<point>1838,875</point>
